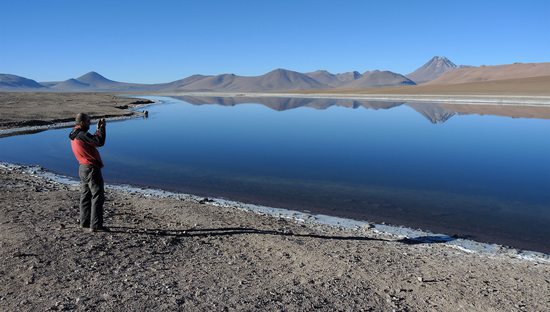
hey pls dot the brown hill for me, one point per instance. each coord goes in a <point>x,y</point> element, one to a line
<point>524,86</point>
<point>325,77</point>
<point>489,73</point>
<point>348,76</point>
<point>13,82</point>
<point>280,79</point>
<point>276,80</point>
<point>219,82</point>
<point>181,83</point>
<point>334,80</point>
<point>377,78</point>
<point>71,85</point>
<point>433,69</point>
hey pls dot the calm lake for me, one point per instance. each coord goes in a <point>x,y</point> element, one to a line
<point>473,171</point>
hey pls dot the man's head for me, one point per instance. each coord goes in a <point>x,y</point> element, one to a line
<point>83,120</point>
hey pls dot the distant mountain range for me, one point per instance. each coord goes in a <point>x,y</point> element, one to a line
<point>276,80</point>
<point>438,70</point>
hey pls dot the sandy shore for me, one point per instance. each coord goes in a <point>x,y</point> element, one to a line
<point>168,254</point>
<point>190,254</point>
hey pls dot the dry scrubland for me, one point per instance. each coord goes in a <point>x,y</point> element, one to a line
<point>21,109</point>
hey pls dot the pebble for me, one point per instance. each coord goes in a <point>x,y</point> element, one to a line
<point>368,226</point>
<point>81,300</point>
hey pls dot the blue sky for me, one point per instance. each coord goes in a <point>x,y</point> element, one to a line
<point>161,41</point>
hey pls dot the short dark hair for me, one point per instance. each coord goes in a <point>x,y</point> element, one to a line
<point>80,117</point>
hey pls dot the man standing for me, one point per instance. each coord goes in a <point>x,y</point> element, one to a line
<point>92,194</point>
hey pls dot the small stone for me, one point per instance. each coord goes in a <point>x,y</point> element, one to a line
<point>368,226</point>
<point>80,300</point>
<point>420,279</point>
<point>204,200</point>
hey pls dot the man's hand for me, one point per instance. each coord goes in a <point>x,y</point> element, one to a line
<point>101,123</point>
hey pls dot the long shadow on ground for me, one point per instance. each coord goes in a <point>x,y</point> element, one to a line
<point>241,231</point>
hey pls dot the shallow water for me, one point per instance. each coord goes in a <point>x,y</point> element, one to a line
<point>415,164</point>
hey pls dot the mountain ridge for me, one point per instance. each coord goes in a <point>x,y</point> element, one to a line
<point>9,81</point>
<point>439,70</point>
<point>432,69</point>
<point>491,73</point>
<point>379,78</point>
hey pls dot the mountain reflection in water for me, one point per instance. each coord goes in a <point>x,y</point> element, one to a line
<point>434,112</point>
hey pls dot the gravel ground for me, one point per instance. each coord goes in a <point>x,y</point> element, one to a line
<point>168,254</point>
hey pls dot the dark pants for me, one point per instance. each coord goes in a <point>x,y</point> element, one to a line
<point>92,196</point>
